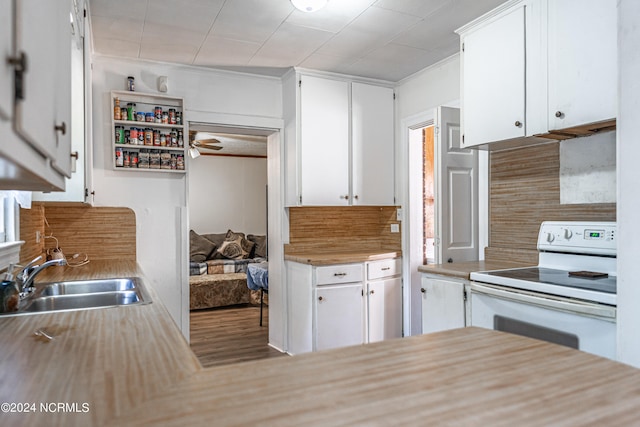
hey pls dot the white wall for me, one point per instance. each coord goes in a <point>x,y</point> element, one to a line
<point>416,98</point>
<point>160,200</point>
<point>228,193</point>
<point>628,153</point>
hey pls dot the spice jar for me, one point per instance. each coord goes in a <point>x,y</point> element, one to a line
<point>131,84</point>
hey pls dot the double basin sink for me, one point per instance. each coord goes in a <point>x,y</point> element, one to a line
<point>85,294</point>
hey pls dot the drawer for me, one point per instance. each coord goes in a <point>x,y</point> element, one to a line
<point>344,273</point>
<point>384,268</point>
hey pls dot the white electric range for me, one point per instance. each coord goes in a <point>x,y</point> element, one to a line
<point>569,298</point>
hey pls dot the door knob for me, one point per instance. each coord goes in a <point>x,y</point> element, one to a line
<point>559,114</point>
<point>320,298</point>
<point>518,123</point>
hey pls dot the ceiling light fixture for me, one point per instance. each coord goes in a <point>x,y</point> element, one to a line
<point>309,5</point>
<point>193,152</point>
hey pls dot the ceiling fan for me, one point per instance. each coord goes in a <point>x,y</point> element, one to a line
<point>199,140</point>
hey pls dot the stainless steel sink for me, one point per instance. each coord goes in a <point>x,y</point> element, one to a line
<point>81,301</point>
<point>84,294</point>
<point>89,286</point>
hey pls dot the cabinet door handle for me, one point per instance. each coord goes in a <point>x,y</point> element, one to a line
<point>371,291</point>
<point>345,197</point>
<point>20,64</point>
<point>355,197</point>
<point>339,274</point>
<point>320,298</point>
<point>423,290</point>
<point>61,127</point>
<point>518,123</point>
<point>559,114</point>
<point>386,268</point>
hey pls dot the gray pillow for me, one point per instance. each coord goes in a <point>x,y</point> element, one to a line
<point>200,248</point>
<point>260,250</point>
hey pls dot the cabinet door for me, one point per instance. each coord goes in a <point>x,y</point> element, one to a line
<point>582,62</point>
<point>372,145</point>
<point>443,305</point>
<point>384,309</point>
<point>38,25</point>
<point>493,73</point>
<point>324,142</point>
<point>6,51</point>
<point>339,316</point>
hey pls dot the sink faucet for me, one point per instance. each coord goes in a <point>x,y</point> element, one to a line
<point>29,272</point>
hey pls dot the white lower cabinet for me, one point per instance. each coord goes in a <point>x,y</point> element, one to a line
<point>345,304</point>
<point>339,316</point>
<point>444,303</point>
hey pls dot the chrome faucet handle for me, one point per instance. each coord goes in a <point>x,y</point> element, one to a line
<point>26,270</point>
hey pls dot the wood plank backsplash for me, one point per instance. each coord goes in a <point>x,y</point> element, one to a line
<point>343,227</point>
<point>103,233</point>
<point>524,191</point>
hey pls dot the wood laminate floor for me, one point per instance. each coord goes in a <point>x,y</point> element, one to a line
<point>222,336</point>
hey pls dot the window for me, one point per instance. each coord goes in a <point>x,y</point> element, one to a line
<point>9,213</point>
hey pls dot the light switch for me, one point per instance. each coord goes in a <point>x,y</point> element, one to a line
<point>398,215</point>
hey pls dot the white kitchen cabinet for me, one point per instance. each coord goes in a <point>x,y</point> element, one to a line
<point>35,106</point>
<point>372,116</point>
<point>582,62</point>
<point>324,141</point>
<point>337,305</point>
<point>339,316</point>
<point>339,142</point>
<point>384,299</point>
<point>501,74</point>
<point>444,303</point>
<point>538,70</point>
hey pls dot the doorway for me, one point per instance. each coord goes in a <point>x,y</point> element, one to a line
<point>230,169</point>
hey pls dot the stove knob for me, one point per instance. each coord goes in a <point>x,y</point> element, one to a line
<point>550,237</point>
<point>567,233</point>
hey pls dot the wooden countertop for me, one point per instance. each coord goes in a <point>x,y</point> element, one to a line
<point>467,376</point>
<point>131,366</point>
<point>344,257</point>
<point>111,359</point>
<point>462,270</point>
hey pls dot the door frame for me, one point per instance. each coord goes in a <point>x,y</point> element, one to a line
<point>412,231</point>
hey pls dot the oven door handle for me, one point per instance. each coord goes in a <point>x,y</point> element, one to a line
<point>547,301</point>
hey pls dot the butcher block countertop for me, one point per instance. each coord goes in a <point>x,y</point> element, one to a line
<point>461,270</point>
<point>346,257</point>
<point>131,366</point>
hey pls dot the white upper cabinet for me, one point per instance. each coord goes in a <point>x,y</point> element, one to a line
<point>494,80</point>
<point>35,100</point>
<point>324,141</point>
<point>372,144</point>
<point>339,142</point>
<point>535,70</point>
<point>582,62</point>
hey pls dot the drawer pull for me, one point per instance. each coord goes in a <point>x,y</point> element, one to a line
<point>320,298</point>
<point>385,268</point>
<point>423,290</point>
<point>340,274</point>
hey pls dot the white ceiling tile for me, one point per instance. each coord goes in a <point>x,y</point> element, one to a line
<point>119,8</point>
<point>383,22</point>
<point>117,29</point>
<point>421,8</point>
<point>251,20</point>
<point>352,42</point>
<point>167,52</point>
<point>333,17</point>
<point>116,47</point>
<point>170,35</point>
<point>217,51</point>
<point>336,64</point>
<point>290,45</point>
<point>194,15</point>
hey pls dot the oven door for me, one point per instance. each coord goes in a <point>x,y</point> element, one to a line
<point>582,325</point>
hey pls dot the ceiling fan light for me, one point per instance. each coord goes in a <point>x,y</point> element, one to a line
<point>194,152</point>
<point>309,5</point>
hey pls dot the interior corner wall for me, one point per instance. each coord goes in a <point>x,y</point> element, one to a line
<point>158,199</point>
<point>228,192</point>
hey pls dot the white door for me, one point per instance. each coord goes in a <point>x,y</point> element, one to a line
<point>582,62</point>
<point>339,316</point>
<point>493,72</point>
<point>372,145</point>
<point>384,309</point>
<point>324,142</point>
<point>442,305</point>
<point>456,196</point>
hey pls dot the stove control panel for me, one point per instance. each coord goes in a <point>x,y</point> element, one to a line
<point>594,238</point>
